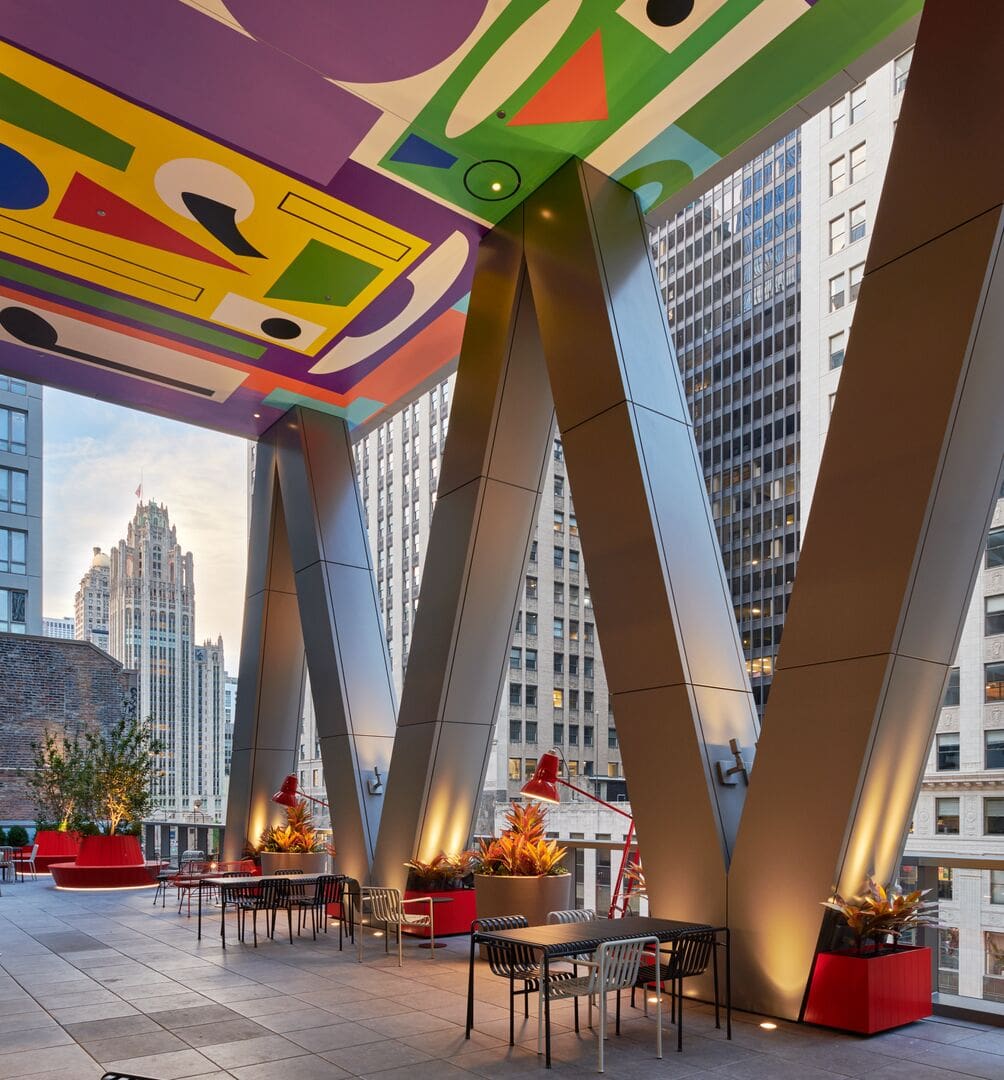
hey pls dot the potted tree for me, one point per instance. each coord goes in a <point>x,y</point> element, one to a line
<point>295,845</point>
<point>521,872</point>
<point>873,982</point>
<point>55,782</point>
<point>450,877</point>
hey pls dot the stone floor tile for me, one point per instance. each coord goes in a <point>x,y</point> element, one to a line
<point>170,1066</point>
<point>376,1056</point>
<point>307,1068</point>
<point>231,1055</point>
<point>195,1016</point>
<point>306,1016</point>
<point>145,1044</point>
<point>334,1036</point>
<point>49,1059</point>
<point>401,1024</point>
<point>81,1013</point>
<point>222,1031</point>
<point>93,1030</point>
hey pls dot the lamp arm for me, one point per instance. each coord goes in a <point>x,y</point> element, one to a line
<point>595,798</point>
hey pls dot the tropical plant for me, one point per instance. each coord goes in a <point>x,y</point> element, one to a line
<point>297,835</point>
<point>17,836</point>
<point>880,913</point>
<point>442,871</point>
<point>522,850</point>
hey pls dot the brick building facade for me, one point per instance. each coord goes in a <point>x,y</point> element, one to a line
<point>48,682</point>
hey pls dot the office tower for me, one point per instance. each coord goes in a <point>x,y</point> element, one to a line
<point>209,730</point>
<point>91,602</point>
<point>20,506</point>
<point>58,628</point>
<point>151,629</point>
<point>229,705</point>
<point>728,267</point>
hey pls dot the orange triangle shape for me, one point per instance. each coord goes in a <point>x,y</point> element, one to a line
<point>577,91</point>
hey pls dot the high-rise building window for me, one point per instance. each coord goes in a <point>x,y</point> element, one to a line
<point>558,663</point>
<point>573,629</point>
<point>559,592</point>
<point>573,739</point>
<point>855,275</point>
<point>993,817</point>
<point>951,697</point>
<point>859,222</point>
<point>559,521</point>
<point>588,632</point>
<point>993,607</point>
<point>13,611</point>
<point>515,769</point>
<point>13,430</point>
<point>944,883</point>
<point>559,557</point>
<point>531,659</point>
<point>558,698</point>
<point>531,697</point>
<point>13,491</point>
<point>995,548</point>
<point>997,886</point>
<point>946,813</point>
<point>993,749</point>
<point>573,559</point>
<point>838,117</point>
<point>515,693</point>
<point>948,752</point>
<point>859,162</point>
<point>901,71</point>
<point>531,732</point>
<point>838,175</point>
<point>558,733</point>
<point>515,731</point>
<point>838,234</point>
<point>12,385</point>
<point>587,667</point>
<point>559,453</point>
<point>859,98</point>
<point>13,551</point>
<point>836,292</point>
<point>559,628</point>
<point>531,588</point>
<point>836,350</point>
<point>559,486</point>
<point>515,658</point>
<point>993,681</point>
<point>531,624</point>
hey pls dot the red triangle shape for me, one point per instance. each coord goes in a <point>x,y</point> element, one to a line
<point>92,206</point>
<point>576,91</point>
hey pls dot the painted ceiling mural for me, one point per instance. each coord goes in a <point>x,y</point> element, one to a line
<point>215,209</point>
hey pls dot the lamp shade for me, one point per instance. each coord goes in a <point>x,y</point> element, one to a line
<point>543,784</point>
<point>287,795</point>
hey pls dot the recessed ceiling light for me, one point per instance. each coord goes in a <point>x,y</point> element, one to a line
<point>496,185</point>
<point>257,416</point>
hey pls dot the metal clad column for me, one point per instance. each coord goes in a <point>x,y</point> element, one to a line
<point>898,521</point>
<point>663,610</point>
<point>267,714</point>
<point>350,675</point>
<point>494,463</point>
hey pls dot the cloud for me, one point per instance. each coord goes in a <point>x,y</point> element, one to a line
<point>94,454</point>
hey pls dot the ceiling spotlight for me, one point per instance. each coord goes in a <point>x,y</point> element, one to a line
<point>257,416</point>
<point>496,185</point>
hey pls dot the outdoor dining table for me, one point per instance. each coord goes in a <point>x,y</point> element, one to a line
<point>557,941</point>
<point>223,883</point>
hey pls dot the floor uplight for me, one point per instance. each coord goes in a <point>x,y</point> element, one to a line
<point>769,1025</point>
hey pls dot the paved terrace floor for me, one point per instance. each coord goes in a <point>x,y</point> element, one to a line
<point>99,981</point>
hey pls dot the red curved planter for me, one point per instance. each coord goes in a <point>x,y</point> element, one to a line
<point>70,875</point>
<point>110,851</point>
<point>53,846</point>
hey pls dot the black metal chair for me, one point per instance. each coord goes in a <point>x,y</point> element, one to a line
<point>261,896</point>
<point>517,963</point>
<point>686,957</point>
<point>328,889</point>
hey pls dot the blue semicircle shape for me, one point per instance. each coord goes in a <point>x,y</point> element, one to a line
<point>22,184</point>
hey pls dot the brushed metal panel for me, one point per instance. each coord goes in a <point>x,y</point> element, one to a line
<point>681,845</point>
<point>562,261</point>
<point>700,591</point>
<point>485,352</point>
<point>888,435</point>
<point>280,674</point>
<point>252,648</point>
<point>260,525</point>
<point>952,101</point>
<point>628,577</point>
<point>810,763</point>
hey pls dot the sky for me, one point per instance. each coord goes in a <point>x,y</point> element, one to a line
<point>94,455</point>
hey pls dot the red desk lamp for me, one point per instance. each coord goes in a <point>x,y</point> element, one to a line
<point>543,785</point>
<point>289,794</point>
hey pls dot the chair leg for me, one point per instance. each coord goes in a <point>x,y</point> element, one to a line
<point>714,954</point>
<point>254,926</point>
<point>575,1009</point>
<point>679,1016</point>
<point>400,947</point>
<point>512,1011</point>
<point>603,1024</point>
<point>289,919</point>
<point>618,1028</point>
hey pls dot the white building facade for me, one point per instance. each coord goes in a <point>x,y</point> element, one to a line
<point>90,614</point>
<point>209,735</point>
<point>20,507</point>
<point>58,628</point>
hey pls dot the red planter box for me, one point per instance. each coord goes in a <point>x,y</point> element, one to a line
<point>452,918</point>
<point>870,993</point>
<point>54,846</point>
<point>110,851</point>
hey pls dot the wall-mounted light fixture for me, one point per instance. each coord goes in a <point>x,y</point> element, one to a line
<point>729,772</point>
<point>375,786</point>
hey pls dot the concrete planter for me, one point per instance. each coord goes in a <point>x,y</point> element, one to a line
<point>310,862</point>
<point>533,897</point>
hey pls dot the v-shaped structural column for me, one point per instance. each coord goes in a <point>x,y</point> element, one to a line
<point>898,521</point>
<point>316,551</point>
<point>664,617</point>
<point>494,463</point>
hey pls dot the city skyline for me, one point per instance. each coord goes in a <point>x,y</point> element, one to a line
<point>95,457</point>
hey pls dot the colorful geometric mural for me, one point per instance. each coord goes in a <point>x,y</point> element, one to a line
<point>215,210</point>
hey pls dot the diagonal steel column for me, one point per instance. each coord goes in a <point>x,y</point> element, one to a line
<point>270,680</point>
<point>311,591</point>
<point>494,463</point>
<point>346,652</point>
<point>898,521</point>
<point>664,616</point>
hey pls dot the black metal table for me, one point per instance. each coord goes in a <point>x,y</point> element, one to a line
<point>565,940</point>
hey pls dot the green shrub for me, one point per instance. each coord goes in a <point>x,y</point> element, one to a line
<point>17,836</point>
<point>3,837</point>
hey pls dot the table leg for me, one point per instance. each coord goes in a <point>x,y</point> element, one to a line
<point>714,954</point>
<point>545,972</point>
<point>198,935</point>
<point>470,989</point>
<point>728,983</point>
<point>223,918</point>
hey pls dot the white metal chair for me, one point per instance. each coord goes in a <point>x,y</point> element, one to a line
<point>6,861</point>
<point>614,969</point>
<point>387,907</point>
<point>27,862</point>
